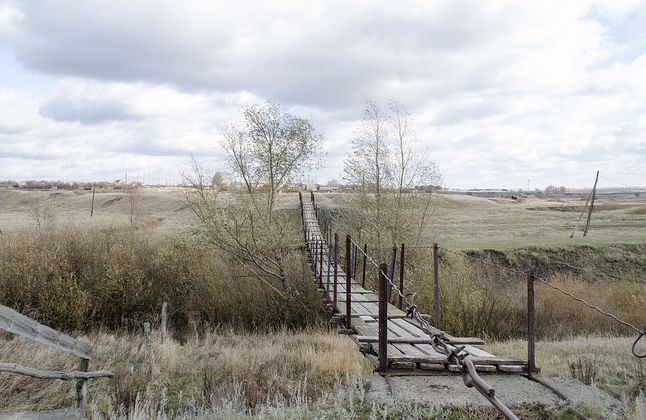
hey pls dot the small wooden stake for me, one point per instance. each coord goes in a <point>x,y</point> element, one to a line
<point>146,337</point>
<point>164,320</point>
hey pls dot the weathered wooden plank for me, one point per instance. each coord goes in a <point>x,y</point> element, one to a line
<point>360,297</point>
<point>392,351</point>
<point>428,349</point>
<point>475,360</point>
<point>397,330</point>
<point>362,328</point>
<point>410,350</point>
<point>486,368</point>
<point>511,369</point>
<point>476,351</point>
<point>16,323</point>
<point>411,328</point>
<point>53,374</point>
<point>449,337</point>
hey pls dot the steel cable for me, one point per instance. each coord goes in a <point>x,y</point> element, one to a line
<point>440,344</point>
<point>640,333</point>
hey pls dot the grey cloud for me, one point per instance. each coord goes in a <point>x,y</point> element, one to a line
<point>86,111</point>
<point>329,60</point>
<point>460,113</point>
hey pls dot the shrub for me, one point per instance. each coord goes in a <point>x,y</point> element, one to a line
<point>76,279</point>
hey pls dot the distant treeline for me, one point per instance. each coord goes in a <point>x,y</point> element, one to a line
<point>62,185</point>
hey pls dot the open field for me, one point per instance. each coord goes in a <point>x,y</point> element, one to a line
<point>141,258</point>
<point>162,209</point>
<point>470,222</point>
<point>458,221</point>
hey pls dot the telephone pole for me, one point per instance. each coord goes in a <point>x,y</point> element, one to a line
<point>594,193</point>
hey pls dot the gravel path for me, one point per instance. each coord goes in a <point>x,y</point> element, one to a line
<point>513,390</point>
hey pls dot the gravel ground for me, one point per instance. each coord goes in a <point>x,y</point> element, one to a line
<point>513,390</point>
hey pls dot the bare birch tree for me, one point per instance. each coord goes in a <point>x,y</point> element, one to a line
<point>384,170</point>
<point>268,151</point>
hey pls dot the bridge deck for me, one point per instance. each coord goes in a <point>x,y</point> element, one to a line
<point>409,348</point>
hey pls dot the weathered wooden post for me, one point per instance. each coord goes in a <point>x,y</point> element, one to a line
<point>383,319</point>
<point>531,324</point>
<point>336,269</point>
<point>164,320</point>
<point>147,338</point>
<point>348,282</point>
<point>81,385</point>
<point>401,278</point>
<point>436,287</point>
<point>365,257</point>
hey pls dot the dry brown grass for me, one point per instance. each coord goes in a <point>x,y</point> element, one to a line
<point>83,279</point>
<point>486,301</point>
<point>604,361</point>
<point>211,370</point>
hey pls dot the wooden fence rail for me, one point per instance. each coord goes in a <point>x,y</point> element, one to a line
<point>19,324</point>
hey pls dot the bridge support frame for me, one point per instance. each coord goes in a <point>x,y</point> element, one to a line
<point>348,282</point>
<point>383,319</point>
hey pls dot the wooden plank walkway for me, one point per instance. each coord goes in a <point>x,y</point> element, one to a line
<point>409,348</point>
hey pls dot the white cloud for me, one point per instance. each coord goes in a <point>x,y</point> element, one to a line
<point>501,90</point>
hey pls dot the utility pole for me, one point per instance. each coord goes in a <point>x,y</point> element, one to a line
<point>93,191</point>
<point>594,193</point>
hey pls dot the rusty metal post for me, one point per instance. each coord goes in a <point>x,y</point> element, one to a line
<point>365,257</point>
<point>531,324</point>
<point>348,280</point>
<point>391,273</point>
<point>321,266</point>
<point>383,318</point>
<point>313,254</point>
<point>355,261</point>
<point>401,277</point>
<point>436,287</point>
<point>327,273</point>
<point>336,269</point>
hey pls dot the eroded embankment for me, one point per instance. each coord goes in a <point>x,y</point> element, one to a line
<point>620,262</point>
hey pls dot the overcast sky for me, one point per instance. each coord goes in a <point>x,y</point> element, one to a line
<point>502,92</point>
